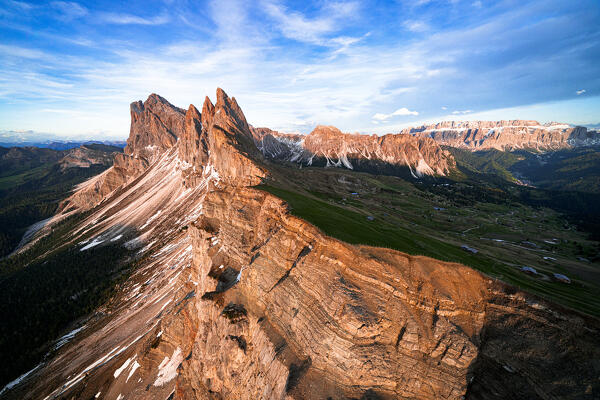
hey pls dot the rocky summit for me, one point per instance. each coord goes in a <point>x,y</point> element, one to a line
<point>234,297</point>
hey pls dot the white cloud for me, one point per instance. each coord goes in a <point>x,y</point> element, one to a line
<point>128,19</point>
<point>69,10</point>
<point>416,26</point>
<point>444,108</point>
<point>294,25</point>
<point>404,111</point>
<point>580,92</point>
<point>461,112</point>
<point>399,112</point>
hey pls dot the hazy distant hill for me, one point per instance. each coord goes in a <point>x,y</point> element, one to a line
<point>33,181</point>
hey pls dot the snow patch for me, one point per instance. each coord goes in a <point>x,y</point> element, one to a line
<point>116,238</point>
<point>134,367</point>
<point>14,383</point>
<point>122,368</point>
<point>152,218</point>
<point>95,242</point>
<point>64,339</point>
<point>167,370</point>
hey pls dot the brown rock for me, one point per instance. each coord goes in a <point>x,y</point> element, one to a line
<point>327,145</point>
<point>234,297</point>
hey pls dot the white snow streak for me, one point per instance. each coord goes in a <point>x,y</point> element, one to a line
<point>167,370</point>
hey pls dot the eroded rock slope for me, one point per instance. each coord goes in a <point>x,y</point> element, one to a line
<point>235,298</point>
<point>327,146</point>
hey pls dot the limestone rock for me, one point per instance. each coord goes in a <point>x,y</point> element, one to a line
<point>234,297</point>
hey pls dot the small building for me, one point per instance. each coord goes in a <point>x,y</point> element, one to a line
<point>528,243</point>
<point>562,278</point>
<point>469,249</point>
<point>529,270</point>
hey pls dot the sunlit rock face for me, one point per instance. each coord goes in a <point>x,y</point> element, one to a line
<point>506,135</point>
<point>235,298</point>
<point>327,145</point>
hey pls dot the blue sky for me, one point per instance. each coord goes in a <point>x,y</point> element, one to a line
<point>72,68</point>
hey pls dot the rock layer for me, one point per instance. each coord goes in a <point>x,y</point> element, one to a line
<point>234,297</point>
<point>506,135</point>
<point>422,156</point>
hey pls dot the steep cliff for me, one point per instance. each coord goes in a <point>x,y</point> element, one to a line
<point>506,135</point>
<point>234,297</point>
<point>328,146</point>
<point>155,126</point>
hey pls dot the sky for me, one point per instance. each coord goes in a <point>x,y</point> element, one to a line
<point>72,68</point>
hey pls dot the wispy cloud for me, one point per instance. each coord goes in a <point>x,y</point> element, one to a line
<point>295,25</point>
<point>69,10</point>
<point>417,26</point>
<point>580,92</point>
<point>128,19</point>
<point>291,68</point>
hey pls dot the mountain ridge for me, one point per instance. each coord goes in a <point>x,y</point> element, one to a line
<point>234,297</point>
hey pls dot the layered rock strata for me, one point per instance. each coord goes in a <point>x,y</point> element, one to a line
<point>506,135</point>
<point>234,297</point>
<point>329,147</point>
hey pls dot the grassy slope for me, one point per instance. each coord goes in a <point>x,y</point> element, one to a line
<point>405,219</point>
<point>564,170</point>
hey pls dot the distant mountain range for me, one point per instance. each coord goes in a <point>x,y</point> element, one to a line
<point>48,140</point>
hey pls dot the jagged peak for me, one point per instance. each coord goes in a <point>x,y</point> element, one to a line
<point>157,98</point>
<point>208,110</point>
<point>221,96</point>
<point>192,112</point>
<point>153,101</point>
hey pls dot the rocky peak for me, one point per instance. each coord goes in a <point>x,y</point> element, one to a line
<point>194,143</point>
<point>232,149</point>
<point>219,139</point>
<point>155,126</point>
<point>229,116</point>
<point>208,111</point>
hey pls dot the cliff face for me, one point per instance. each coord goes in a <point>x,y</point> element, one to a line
<point>236,298</point>
<point>218,138</point>
<point>506,135</point>
<point>422,156</point>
